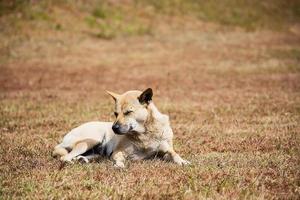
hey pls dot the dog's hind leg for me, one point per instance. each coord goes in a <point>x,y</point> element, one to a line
<point>80,148</point>
<point>59,151</point>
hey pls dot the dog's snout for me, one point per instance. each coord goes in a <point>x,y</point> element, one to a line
<point>116,127</point>
<point>120,129</point>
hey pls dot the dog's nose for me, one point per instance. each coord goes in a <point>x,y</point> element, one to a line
<point>115,128</point>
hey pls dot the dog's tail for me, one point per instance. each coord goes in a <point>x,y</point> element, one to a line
<point>59,151</point>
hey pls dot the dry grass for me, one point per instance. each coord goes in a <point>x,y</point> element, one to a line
<point>232,96</point>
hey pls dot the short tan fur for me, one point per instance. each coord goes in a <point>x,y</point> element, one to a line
<point>139,132</point>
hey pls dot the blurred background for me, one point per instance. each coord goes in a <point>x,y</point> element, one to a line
<point>226,71</point>
<point>110,41</point>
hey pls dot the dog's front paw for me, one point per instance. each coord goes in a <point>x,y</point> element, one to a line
<point>181,161</point>
<point>185,162</point>
<point>119,165</point>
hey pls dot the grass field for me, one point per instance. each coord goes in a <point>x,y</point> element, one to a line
<point>231,86</point>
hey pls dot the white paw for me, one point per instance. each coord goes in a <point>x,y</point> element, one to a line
<point>185,162</point>
<point>82,158</point>
<point>181,161</point>
<point>119,165</point>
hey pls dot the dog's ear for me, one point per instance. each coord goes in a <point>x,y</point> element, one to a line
<point>146,96</point>
<point>113,95</point>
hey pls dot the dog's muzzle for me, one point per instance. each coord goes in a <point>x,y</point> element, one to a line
<point>120,129</point>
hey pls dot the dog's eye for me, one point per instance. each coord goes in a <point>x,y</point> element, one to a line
<point>128,112</point>
<point>116,114</point>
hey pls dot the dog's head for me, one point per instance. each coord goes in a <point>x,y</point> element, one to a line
<point>131,111</point>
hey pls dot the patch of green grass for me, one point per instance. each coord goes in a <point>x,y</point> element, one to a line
<point>291,54</point>
<point>289,58</point>
<point>7,7</point>
<point>111,20</point>
<point>99,13</point>
<point>114,21</point>
<point>255,14</point>
<point>37,15</point>
<point>26,10</point>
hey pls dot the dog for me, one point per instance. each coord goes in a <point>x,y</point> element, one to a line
<point>139,132</point>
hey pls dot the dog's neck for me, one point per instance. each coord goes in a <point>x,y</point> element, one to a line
<point>157,117</point>
<point>155,126</point>
<point>156,122</point>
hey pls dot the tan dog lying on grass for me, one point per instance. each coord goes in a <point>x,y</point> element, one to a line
<point>139,132</point>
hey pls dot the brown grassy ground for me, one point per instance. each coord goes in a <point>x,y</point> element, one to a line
<point>232,96</point>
